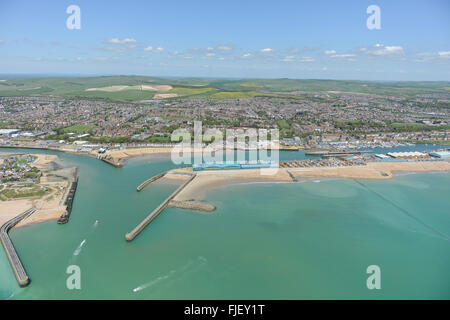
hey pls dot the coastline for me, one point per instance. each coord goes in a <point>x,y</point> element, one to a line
<point>206,180</point>
<point>49,207</point>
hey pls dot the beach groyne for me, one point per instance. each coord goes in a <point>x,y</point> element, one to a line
<point>131,235</point>
<point>294,178</point>
<point>69,202</point>
<point>152,179</point>
<point>14,260</point>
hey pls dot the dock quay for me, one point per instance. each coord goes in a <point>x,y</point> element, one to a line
<point>131,235</point>
<point>152,179</point>
<point>14,260</point>
<point>68,202</point>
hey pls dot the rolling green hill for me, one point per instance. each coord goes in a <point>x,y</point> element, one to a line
<point>135,88</point>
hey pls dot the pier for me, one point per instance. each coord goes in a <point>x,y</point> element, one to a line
<point>131,235</point>
<point>14,260</point>
<point>68,202</point>
<point>152,179</point>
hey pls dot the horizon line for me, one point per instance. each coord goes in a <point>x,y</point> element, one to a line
<point>84,75</point>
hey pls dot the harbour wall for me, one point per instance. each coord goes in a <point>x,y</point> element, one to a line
<point>14,260</point>
<point>148,181</point>
<point>131,235</point>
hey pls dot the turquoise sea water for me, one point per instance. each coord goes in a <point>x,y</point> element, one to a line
<point>308,240</point>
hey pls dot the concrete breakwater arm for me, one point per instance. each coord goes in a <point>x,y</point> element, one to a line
<point>69,202</point>
<point>16,264</point>
<point>131,235</point>
<point>152,179</point>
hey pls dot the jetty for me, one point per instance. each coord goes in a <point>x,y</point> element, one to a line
<point>152,179</point>
<point>14,260</point>
<point>64,218</point>
<point>131,235</point>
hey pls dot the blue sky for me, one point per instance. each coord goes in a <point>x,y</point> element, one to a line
<point>233,38</point>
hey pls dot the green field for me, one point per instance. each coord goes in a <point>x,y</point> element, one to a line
<point>71,87</point>
<point>78,128</point>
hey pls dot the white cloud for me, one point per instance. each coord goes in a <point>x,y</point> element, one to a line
<point>154,50</point>
<point>428,56</point>
<point>382,50</point>
<point>289,59</point>
<point>121,41</point>
<point>444,54</point>
<point>334,55</point>
<point>298,59</point>
<point>224,48</point>
<point>343,56</point>
<point>307,59</point>
<point>267,50</point>
<point>220,48</point>
<point>247,55</point>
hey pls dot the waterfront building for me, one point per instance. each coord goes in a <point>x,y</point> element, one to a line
<point>9,132</point>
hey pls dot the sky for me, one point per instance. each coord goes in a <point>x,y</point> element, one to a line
<point>228,39</point>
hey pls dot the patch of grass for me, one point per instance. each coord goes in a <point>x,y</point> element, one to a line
<point>5,124</point>
<point>13,194</point>
<point>251,85</point>
<point>190,91</point>
<point>78,128</point>
<point>283,124</point>
<point>246,94</point>
<point>441,142</point>
<point>411,127</point>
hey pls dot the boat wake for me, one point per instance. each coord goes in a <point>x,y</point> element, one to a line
<point>190,267</point>
<point>78,249</point>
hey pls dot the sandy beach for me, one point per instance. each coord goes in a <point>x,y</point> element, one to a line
<point>206,180</point>
<point>124,154</point>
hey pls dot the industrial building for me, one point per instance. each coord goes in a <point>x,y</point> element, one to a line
<point>407,155</point>
<point>9,132</point>
<point>233,165</point>
<point>382,156</point>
